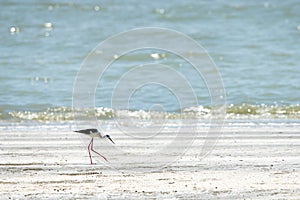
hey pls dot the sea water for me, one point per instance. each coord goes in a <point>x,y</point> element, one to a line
<point>254,44</point>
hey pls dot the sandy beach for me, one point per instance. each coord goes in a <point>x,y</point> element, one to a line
<point>246,163</point>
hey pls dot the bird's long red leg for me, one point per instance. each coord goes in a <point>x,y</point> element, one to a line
<point>97,152</point>
<point>89,149</point>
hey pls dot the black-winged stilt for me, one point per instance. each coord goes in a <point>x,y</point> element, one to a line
<point>94,133</point>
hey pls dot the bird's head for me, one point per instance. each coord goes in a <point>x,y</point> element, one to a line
<point>109,138</point>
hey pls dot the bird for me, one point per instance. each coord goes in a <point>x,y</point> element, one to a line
<point>94,133</point>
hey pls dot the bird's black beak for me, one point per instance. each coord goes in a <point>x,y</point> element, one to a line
<point>110,139</point>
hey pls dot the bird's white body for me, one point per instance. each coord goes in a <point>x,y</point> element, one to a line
<point>97,134</point>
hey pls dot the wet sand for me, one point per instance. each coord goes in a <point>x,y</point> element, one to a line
<point>260,163</point>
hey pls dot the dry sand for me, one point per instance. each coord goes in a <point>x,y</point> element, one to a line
<point>260,163</point>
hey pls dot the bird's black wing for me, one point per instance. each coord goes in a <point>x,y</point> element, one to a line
<point>87,131</point>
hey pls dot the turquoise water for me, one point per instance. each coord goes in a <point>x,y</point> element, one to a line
<point>254,44</point>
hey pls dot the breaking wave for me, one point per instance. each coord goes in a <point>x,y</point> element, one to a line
<point>242,111</point>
